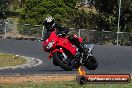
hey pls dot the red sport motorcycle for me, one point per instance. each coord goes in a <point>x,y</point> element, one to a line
<point>66,55</point>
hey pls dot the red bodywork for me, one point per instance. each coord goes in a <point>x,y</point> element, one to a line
<point>61,42</point>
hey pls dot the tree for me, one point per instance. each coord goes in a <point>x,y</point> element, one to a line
<point>35,11</point>
<point>108,13</point>
<point>126,16</point>
<point>80,19</point>
<point>106,6</point>
<point>4,9</point>
<point>107,10</point>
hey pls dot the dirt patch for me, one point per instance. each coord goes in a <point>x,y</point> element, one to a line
<point>36,78</point>
<point>15,34</point>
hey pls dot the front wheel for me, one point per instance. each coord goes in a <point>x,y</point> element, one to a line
<point>91,63</point>
<point>59,59</point>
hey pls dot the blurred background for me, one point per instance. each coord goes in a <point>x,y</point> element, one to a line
<point>97,21</point>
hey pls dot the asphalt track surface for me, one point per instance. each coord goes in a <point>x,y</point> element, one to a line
<point>111,59</point>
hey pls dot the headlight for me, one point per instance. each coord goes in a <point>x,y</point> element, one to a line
<point>50,45</point>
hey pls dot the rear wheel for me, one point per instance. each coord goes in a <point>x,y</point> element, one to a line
<point>91,63</point>
<point>81,80</point>
<point>59,60</point>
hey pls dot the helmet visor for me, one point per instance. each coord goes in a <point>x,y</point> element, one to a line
<point>48,25</point>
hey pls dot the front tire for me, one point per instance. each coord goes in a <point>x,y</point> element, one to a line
<point>91,63</point>
<point>58,57</point>
<point>55,62</point>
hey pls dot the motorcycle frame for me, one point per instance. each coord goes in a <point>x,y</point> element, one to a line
<point>62,42</point>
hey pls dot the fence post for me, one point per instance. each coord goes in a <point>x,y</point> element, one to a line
<point>5,30</point>
<point>79,34</point>
<point>119,22</point>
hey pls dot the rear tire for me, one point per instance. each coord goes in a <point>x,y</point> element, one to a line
<point>81,80</point>
<point>91,63</point>
<point>58,59</point>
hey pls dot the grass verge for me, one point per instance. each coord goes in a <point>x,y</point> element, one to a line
<point>51,81</point>
<point>64,84</point>
<point>11,60</point>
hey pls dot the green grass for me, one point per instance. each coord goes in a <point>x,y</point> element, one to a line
<point>70,84</point>
<point>10,60</point>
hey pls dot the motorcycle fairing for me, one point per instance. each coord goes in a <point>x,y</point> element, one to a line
<point>64,42</point>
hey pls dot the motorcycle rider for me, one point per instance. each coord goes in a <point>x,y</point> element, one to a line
<point>50,24</point>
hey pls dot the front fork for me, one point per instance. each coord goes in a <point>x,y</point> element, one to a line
<point>58,50</point>
<point>64,55</point>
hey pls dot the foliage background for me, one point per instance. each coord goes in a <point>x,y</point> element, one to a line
<point>70,13</point>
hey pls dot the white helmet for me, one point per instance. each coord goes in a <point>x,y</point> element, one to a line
<point>49,23</point>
